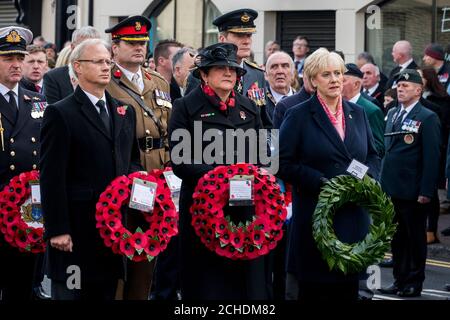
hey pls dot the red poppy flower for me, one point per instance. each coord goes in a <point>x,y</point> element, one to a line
<point>258,237</point>
<point>22,240</point>
<point>122,110</point>
<point>272,245</point>
<point>113,224</point>
<point>252,252</point>
<point>105,233</point>
<point>10,239</point>
<point>237,239</point>
<point>117,74</point>
<point>126,247</point>
<point>11,218</point>
<point>153,248</point>
<point>139,240</point>
<point>35,235</point>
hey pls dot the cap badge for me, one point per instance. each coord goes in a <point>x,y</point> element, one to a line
<point>13,37</point>
<point>245,18</point>
<point>406,76</point>
<point>138,26</point>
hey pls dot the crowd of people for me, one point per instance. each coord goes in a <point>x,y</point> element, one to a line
<point>112,109</point>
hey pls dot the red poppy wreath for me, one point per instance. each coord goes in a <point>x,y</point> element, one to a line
<point>218,233</point>
<point>20,222</point>
<point>163,220</point>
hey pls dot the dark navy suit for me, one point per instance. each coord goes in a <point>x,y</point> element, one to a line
<point>410,170</point>
<point>20,154</point>
<point>312,149</point>
<point>287,103</point>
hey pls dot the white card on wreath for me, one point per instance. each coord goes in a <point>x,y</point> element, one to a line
<point>35,193</point>
<point>241,190</point>
<point>357,169</point>
<point>173,181</point>
<point>143,195</point>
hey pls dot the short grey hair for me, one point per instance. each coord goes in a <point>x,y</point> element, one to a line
<point>283,54</point>
<point>86,32</point>
<point>179,55</point>
<point>81,48</point>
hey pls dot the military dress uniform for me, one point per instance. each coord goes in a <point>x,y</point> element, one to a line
<point>20,122</point>
<point>253,83</point>
<point>410,169</point>
<point>151,101</point>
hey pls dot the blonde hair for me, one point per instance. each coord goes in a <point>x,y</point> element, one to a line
<point>63,57</point>
<point>320,60</point>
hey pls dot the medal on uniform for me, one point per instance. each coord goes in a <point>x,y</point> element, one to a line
<point>158,99</point>
<point>408,138</point>
<point>243,116</point>
<point>37,110</point>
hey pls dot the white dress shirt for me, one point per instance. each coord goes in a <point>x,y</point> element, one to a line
<point>4,91</point>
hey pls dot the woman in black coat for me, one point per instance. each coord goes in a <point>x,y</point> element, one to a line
<point>213,105</point>
<point>434,92</point>
<point>320,137</point>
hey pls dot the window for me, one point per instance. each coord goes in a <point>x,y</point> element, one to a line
<point>189,22</point>
<point>443,22</point>
<point>401,19</point>
<point>165,27</point>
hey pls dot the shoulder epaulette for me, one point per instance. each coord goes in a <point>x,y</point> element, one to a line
<point>253,65</point>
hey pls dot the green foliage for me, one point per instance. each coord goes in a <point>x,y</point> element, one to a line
<point>366,193</point>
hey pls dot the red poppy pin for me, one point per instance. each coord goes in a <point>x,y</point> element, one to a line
<point>117,74</point>
<point>122,110</point>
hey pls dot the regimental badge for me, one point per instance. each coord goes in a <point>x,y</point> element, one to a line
<point>37,109</point>
<point>243,116</point>
<point>245,18</point>
<point>138,26</point>
<point>408,138</point>
<point>13,37</point>
<point>406,76</point>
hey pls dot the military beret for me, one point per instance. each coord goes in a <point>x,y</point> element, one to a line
<point>134,28</point>
<point>409,75</point>
<point>14,40</point>
<point>238,21</point>
<point>353,70</point>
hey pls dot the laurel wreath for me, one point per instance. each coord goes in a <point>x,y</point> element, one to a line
<point>366,193</point>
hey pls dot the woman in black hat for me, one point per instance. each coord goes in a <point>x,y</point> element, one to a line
<point>213,105</point>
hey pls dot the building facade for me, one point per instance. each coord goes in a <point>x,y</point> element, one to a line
<point>351,26</point>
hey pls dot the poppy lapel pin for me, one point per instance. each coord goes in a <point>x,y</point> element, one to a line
<point>122,110</point>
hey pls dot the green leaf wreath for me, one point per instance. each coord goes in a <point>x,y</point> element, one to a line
<point>366,193</point>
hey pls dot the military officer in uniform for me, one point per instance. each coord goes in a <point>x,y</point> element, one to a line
<point>237,27</point>
<point>21,114</point>
<point>410,176</point>
<point>148,93</point>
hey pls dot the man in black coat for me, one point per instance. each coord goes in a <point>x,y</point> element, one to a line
<point>410,175</point>
<point>86,143</point>
<point>402,56</point>
<point>34,68</point>
<point>289,102</point>
<point>20,122</point>
<point>57,84</point>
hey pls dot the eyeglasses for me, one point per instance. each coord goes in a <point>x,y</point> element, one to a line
<point>99,62</point>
